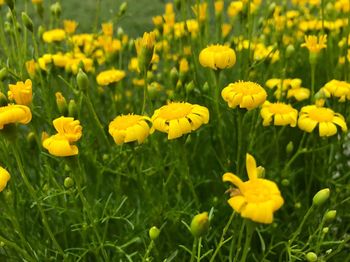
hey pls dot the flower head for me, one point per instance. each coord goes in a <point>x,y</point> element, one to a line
<point>21,92</point>
<point>339,89</point>
<point>217,57</point>
<point>107,29</point>
<point>315,44</point>
<point>247,95</point>
<point>327,121</point>
<point>110,76</point>
<point>177,119</point>
<point>14,114</point>
<point>281,114</point>
<point>4,178</point>
<point>145,49</point>
<point>55,35</point>
<point>68,127</point>
<point>58,145</point>
<point>257,198</point>
<point>129,128</point>
<point>70,26</point>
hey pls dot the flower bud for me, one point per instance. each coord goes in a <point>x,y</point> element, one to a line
<point>330,215</point>
<point>31,139</point>
<point>311,256</point>
<point>82,80</point>
<point>178,86</point>
<point>174,75</point>
<point>189,87</point>
<point>56,9</point>
<point>153,233</point>
<point>290,51</point>
<point>68,182</point>
<point>3,99</point>
<point>200,224</point>
<point>205,87</point>
<point>321,197</point>
<point>260,171</point>
<point>285,182</point>
<point>41,31</point>
<point>27,21</point>
<point>61,104</point>
<point>325,230</point>
<point>122,8</point>
<point>290,147</point>
<point>7,27</point>
<point>3,73</point>
<point>72,109</point>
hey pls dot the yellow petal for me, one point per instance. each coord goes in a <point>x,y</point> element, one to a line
<point>251,167</point>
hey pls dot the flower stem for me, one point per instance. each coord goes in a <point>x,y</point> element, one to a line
<point>194,246</point>
<point>199,249</point>
<point>250,226</point>
<point>150,247</point>
<point>13,245</point>
<point>145,93</point>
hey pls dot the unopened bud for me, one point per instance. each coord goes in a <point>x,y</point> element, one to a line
<point>68,182</point>
<point>200,225</point>
<point>325,230</point>
<point>260,171</point>
<point>72,109</point>
<point>311,257</point>
<point>31,139</point>
<point>153,233</point>
<point>285,182</point>
<point>205,87</point>
<point>61,104</point>
<point>189,87</point>
<point>321,197</point>
<point>56,9</point>
<point>290,147</point>
<point>330,215</point>
<point>290,51</point>
<point>41,31</point>
<point>122,8</point>
<point>27,21</point>
<point>174,75</point>
<point>82,80</point>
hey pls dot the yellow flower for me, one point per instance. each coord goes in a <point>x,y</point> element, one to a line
<point>55,35</point>
<point>336,88</point>
<point>217,56</point>
<point>177,119</point>
<point>58,145</point>
<point>129,128</point>
<point>183,67</point>
<point>4,178</point>
<point>30,66</point>
<point>327,121</point>
<point>247,95</point>
<point>107,29</point>
<point>21,92</point>
<point>110,76</point>
<point>234,8</point>
<point>299,93</point>
<point>202,8</point>
<point>14,113</point>
<point>219,6</point>
<point>281,113</point>
<point>145,49</point>
<point>256,199</point>
<point>225,29</point>
<point>68,127</point>
<point>70,26</point>
<point>157,20</point>
<point>36,2</point>
<point>315,44</point>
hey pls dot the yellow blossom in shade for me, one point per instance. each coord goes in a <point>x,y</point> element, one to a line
<point>200,11</point>
<point>110,76</point>
<point>55,35</point>
<point>247,95</point>
<point>315,44</point>
<point>36,2</point>
<point>129,128</point>
<point>279,114</point>
<point>21,92</point>
<point>30,66</point>
<point>107,29</point>
<point>70,26</point>
<point>68,127</point>
<point>4,178</point>
<point>58,145</point>
<point>326,119</point>
<point>234,8</point>
<point>256,199</point>
<point>217,57</point>
<point>299,94</point>
<point>225,29</point>
<point>183,65</point>
<point>218,6</point>
<point>177,118</point>
<point>339,89</point>
<point>14,114</point>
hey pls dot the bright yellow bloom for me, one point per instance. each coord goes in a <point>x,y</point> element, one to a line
<point>14,114</point>
<point>327,121</point>
<point>70,26</point>
<point>281,114</point>
<point>110,76</point>
<point>339,89</point>
<point>234,8</point>
<point>129,128</point>
<point>107,29</point>
<point>55,35</point>
<point>35,2</point>
<point>58,145</point>
<point>68,127</point>
<point>183,67</point>
<point>177,119</point>
<point>247,95</point>
<point>217,56</point>
<point>21,92</point>
<point>256,199</point>
<point>315,44</point>
<point>299,93</point>
<point>4,178</point>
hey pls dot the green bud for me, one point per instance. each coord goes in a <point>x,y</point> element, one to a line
<point>67,168</point>
<point>311,256</point>
<point>290,147</point>
<point>8,28</point>
<point>153,233</point>
<point>56,9</point>
<point>120,32</point>
<point>285,182</point>
<point>330,215</point>
<point>200,225</point>
<point>313,58</point>
<point>325,230</point>
<point>290,51</point>
<point>82,80</point>
<point>3,99</point>
<point>179,85</point>
<point>31,139</point>
<point>105,157</point>
<point>2,244</point>
<point>150,76</point>
<point>321,197</point>
<point>189,87</point>
<point>174,75</point>
<point>261,171</point>
<point>206,87</point>
<point>72,109</point>
<point>122,8</point>
<point>61,103</point>
<point>27,21</point>
<point>40,9</point>
<point>272,7</point>
<point>297,205</point>
<point>10,4</point>
<point>68,182</point>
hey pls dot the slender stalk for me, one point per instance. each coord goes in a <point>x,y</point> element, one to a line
<point>298,231</point>
<point>250,226</point>
<point>199,249</point>
<point>13,245</point>
<point>150,247</point>
<point>313,71</point>
<point>145,93</point>
<point>194,246</point>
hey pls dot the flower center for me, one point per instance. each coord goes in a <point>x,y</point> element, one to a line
<point>124,122</point>
<point>321,114</point>
<point>256,192</point>
<point>279,108</point>
<point>247,88</point>
<point>175,111</point>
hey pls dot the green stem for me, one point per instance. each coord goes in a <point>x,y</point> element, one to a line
<point>239,139</point>
<point>194,246</point>
<point>150,247</point>
<point>17,248</point>
<point>297,232</point>
<point>199,249</point>
<point>145,93</point>
<point>313,71</point>
<point>250,226</point>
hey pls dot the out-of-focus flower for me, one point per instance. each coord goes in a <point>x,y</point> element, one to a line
<point>145,49</point>
<point>315,44</point>
<point>217,57</point>
<point>336,88</point>
<point>200,11</point>
<point>177,119</point>
<point>21,92</point>
<point>256,199</point>
<point>107,29</point>
<point>327,121</point>
<point>55,35</point>
<point>31,66</point>
<point>14,114</point>
<point>4,178</point>
<point>247,95</point>
<point>129,128</point>
<point>279,113</point>
<point>110,76</point>
<point>234,8</point>
<point>70,26</point>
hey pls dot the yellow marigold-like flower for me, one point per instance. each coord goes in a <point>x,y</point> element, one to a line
<point>247,95</point>
<point>110,76</point>
<point>58,145</point>
<point>129,128</point>
<point>256,199</point>
<point>157,20</point>
<point>14,114</point>
<point>31,67</point>
<point>70,26</point>
<point>55,35</point>
<point>217,56</point>
<point>327,121</point>
<point>300,93</point>
<point>68,127</point>
<point>315,44</point>
<point>4,178</point>
<point>281,114</point>
<point>339,89</point>
<point>177,119</point>
<point>21,92</point>
<point>107,29</point>
<point>234,8</point>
